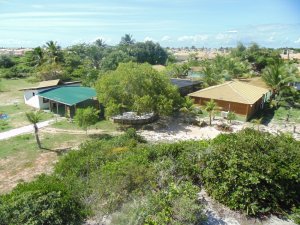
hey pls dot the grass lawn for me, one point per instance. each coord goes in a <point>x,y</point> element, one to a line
<point>104,125</point>
<point>17,117</point>
<point>280,115</point>
<point>13,105</point>
<point>9,93</point>
<point>21,159</point>
<point>26,143</point>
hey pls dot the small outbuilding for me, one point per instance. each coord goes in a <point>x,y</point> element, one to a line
<point>235,96</point>
<point>59,97</point>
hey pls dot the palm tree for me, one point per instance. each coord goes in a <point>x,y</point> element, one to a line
<point>100,43</point>
<point>54,51</point>
<point>127,40</point>
<point>38,56</point>
<point>257,122</point>
<point>210,107</point>
<point>231,116</point>
<point>34,118</point>
<point>211,74</point>
<point>279,75</point>
<point>188,108</point>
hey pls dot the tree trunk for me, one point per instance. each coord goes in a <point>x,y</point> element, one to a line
<point>36,132</point>
<point>210,119</point>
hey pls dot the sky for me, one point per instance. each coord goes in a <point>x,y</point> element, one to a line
<point>176,23</point>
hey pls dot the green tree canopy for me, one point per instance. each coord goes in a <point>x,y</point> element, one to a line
<point>86,117</point>
<point>6,61</point>
<point>137,87</point>
<point>279,75</point>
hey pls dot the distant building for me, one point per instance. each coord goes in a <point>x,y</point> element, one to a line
<point>60,97</point>
<point>186,86</point>
<point>234,96</point>
<point>14,52</point>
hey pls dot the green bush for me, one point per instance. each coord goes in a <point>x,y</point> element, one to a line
<point>175,205</point>
<point>253,171</point>
<point>296,215</point>
<point>44,201</point>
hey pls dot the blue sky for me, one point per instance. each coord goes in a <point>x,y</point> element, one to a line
<point>176,23</point>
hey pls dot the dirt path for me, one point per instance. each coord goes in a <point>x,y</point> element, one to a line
<point>53,130</point>
<point>24,130</point>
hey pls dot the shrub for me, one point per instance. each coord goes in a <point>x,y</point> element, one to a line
<point>224,127</point>
<point>44,201</point>
<point>253,171</point>
<point>296,215</point>
<point>175,205</point>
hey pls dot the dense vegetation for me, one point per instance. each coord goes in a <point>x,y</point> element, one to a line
<point>254,172</point>
<point>139,88</point>
<point>85,62</point>
<point>44,201</point>
<point>140,183</point>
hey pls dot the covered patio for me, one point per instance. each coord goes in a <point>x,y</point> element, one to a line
<point>64,100</point>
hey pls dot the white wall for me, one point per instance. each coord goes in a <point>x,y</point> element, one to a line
<point>31,98</point>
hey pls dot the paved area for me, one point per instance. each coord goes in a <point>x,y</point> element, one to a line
<point>24,130</point>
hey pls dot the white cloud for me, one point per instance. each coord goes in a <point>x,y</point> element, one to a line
<point>37,6</point>
<point>222,36</point>
<point>194,38</point>
<point>149,39</point>
<point>166,38</point>
<point>46,14</point>
<point>271,39</point>
<point>297,41</point>
<point>232,31</point>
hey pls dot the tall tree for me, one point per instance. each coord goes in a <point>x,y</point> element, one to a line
<point>279,75</point>
<point>211,107</point>
<point>100,43</point>
<point>6,61</point>
<point>137,87</point>
<point>149,52</point>
<point>34,118</point>
<point>54,52</point>
<point>38,56</point>
<point>127,40</point>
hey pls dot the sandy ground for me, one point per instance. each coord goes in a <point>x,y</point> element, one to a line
<point>218,214</point>
<point>175,130</point>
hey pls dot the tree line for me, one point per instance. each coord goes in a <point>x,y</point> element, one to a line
<point>85,62</point>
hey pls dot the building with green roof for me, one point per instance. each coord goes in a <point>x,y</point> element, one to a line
<point>60,98</point>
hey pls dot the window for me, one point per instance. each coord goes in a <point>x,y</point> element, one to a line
<point>45,100</point>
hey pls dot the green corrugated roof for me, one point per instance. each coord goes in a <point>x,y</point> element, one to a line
<point>69,95</point>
